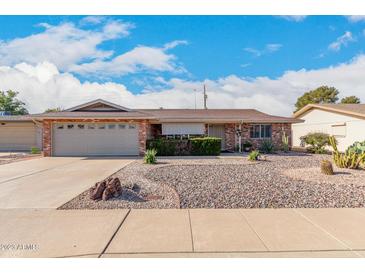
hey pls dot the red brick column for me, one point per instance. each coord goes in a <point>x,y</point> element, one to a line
<point>47,138</point>
<point>230,136</point>
<point>142,136</point>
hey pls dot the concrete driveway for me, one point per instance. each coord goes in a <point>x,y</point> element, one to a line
<point>51,182</point>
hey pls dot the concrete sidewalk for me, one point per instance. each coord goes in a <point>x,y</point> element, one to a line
<point>183,233</point>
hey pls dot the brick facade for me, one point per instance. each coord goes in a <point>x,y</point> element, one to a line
<point>277,133</point>
<point>230,136</point>
<point>47,138</point>
<point>146,130</point>
<point>143,129</point>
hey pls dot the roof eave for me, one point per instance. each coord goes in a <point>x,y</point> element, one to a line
<point>224,120</point>
<point>308,107</point>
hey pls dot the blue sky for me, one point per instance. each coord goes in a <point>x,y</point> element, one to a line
<point>161,60</point>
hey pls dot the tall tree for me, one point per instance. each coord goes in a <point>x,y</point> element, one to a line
<point>9,103</point>
<point>350,100</point>
<point>323,94</point>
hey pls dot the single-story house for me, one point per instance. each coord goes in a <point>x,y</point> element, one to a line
<point>345,121</point>
<point>103,128</point>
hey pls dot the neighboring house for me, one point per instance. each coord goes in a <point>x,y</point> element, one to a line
<point>103,128</point>
<point>19,133</point>
<point>345,121</point>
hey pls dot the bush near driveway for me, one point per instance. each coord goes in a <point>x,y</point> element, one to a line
<point>193,146</point>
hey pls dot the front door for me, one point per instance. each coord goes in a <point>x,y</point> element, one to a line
<point>217,131</point>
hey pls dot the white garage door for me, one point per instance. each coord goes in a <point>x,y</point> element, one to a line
<point>17,136</point>
<point>88,139</point>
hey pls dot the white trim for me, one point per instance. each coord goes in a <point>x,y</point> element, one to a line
<point>96,102</point>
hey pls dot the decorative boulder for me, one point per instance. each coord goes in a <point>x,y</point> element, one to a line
<point>106,189</point>
<point>113,189</point>
<point>96,192</point>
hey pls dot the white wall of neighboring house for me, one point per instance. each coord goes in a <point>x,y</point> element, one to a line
<point>346,129</point>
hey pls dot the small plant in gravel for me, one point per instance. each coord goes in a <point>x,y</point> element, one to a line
<point>326,167</point>
<point>35,150</point>
<point>150,156</point>
<point>285,142</point>
<point>317,142</point>
<point>350,159</point>
<point>267,146</point>
<point>254,155</point>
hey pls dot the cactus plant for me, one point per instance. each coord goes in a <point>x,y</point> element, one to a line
<point>326,167</point>
<point>350,159</point>
<point>358,147</point>
<point>285,141</point>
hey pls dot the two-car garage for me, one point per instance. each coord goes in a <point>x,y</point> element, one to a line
<point>95,139</point>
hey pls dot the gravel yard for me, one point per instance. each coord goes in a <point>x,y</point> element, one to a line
<point>283,180</point>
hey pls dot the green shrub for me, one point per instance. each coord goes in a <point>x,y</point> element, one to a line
<point>267,146</point>
<point>193,146</point>
<point>317,142</point>
<point>168,147</point>
<point>35,150</point>
<point>253,155</point>
<point>350,159</point>
<point>150,156</point>
<point>206,146</point>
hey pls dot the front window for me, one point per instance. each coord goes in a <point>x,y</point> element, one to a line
<point>260,131</point>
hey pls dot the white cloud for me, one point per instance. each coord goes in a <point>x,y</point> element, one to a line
<point>245,65</point>
<point>92,20</point>
<point>253,51</point>
<point>43,86</point>
<point>355,18</point>
<point>269,48</point>
<point>341,41</point>
<point>294,18</point>
<point>174,44</point>
<point>62,45</point>
<point>116,29</point>
<point>138,59</point>
<point>273,47</point>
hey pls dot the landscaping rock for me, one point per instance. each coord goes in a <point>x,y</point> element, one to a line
<point>96,192</point>
<point>106,189</point>
<point>113,188</point>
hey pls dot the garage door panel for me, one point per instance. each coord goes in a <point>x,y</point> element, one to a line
<point>95,139</point>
